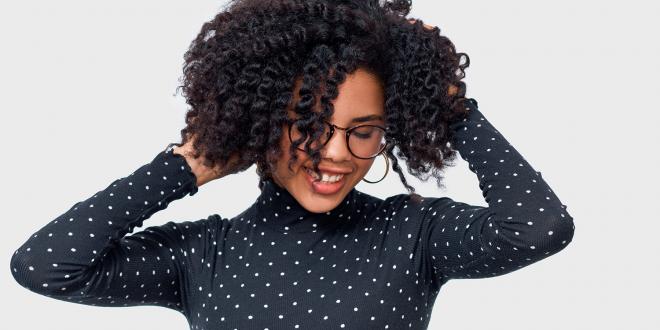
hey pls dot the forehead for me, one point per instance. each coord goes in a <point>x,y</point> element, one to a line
<point>359,95</point>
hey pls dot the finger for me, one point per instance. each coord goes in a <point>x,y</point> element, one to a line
<point>452,90</point>
<point>412,21</point>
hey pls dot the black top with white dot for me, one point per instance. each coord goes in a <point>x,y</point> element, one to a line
<point>368,264</point>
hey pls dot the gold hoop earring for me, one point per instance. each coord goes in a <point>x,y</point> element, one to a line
<point>387,169</point>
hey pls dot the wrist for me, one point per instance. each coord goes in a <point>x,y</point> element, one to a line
<point>195,167</point>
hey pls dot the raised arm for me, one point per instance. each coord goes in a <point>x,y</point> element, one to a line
<point>83,255</point>
<point>523,223</point>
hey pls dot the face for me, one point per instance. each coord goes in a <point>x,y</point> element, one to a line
<point>360,95</point>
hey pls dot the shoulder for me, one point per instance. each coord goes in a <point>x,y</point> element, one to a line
<point>189,228</point>
<point>405,204</point>
<point>414,201</point>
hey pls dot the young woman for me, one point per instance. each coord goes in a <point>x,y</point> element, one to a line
<point>311,92</point>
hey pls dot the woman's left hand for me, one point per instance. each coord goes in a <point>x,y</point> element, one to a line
<point>412,21</point>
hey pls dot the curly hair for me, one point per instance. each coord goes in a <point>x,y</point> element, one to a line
<point>240,70</point>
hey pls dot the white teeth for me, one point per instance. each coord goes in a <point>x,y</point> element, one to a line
<point>331,178</point>
<point>325,177</point>
<point>312,173</point>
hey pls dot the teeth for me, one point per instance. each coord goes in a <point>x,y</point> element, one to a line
<point>331,178</point>
<point>313,174</point>
<point>325,177</point>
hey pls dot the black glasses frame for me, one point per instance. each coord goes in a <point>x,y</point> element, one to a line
<point>348,132</point>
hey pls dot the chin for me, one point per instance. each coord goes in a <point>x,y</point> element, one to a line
<point>320,203</point>
<point>299,186</point>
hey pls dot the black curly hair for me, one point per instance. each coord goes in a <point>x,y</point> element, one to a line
<point>240,70</point>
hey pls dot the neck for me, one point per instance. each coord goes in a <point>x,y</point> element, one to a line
<point>277,208</point>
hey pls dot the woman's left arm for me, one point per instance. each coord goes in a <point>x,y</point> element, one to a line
<point>523,223</point>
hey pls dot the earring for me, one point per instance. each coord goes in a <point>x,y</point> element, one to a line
<point>387,168</point>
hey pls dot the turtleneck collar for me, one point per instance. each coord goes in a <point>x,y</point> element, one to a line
<point>277,208</point>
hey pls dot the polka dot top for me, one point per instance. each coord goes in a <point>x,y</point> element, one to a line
<point>370,263</point>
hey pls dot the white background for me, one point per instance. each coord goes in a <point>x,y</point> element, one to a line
<point>87,96</point>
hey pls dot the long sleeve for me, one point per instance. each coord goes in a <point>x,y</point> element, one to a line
<point>523,223</point>
<point>83,255</point>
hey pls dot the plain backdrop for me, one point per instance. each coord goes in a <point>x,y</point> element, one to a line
<point>88,95</point>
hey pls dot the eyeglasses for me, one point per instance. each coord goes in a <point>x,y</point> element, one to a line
<point>363,141</point>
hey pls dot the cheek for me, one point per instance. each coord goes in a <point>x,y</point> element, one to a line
<point>363,166</point>
<point>283,160</point>
<point>282,163</point>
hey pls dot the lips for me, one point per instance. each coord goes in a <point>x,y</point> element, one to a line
<point>318,177</point>
<point>324,188</point>
<point>331,170</point>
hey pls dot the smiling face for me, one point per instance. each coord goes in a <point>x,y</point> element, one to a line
<point>360,95</point>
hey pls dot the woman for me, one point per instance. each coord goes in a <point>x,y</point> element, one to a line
<point>311,92</point>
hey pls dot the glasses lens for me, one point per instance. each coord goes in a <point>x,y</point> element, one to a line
<point>366,141</point>
<point>295,134</point>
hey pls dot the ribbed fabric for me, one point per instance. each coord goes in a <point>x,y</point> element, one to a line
<point>370,263</point>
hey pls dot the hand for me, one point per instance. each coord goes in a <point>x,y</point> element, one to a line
<point>412,21</point>
<point>204,173</point>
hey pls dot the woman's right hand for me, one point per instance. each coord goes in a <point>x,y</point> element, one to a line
<point>203,173</point>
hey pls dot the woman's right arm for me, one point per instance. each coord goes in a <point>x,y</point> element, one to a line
<point>83,255</point>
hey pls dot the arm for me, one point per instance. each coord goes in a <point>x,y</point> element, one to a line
<point>83,255</point>
<point>523,223</point>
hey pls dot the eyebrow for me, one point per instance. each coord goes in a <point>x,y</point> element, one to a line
<point>361,119</point>
<point>366,118</point>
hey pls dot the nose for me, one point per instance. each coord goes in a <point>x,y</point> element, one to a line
<point>336,149</point>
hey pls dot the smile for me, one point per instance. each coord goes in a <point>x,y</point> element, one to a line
<point>324,183</point>
<point>324,177</point>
